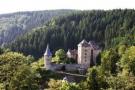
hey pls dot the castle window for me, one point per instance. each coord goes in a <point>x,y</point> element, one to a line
<point>91,59</point>
<point>85,57</point>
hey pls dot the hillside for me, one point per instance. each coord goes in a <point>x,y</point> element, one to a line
<point>113,30</point>
<point>108,28</point>
<point>16,24</point>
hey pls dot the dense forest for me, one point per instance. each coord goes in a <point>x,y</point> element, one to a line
<point>116,71</point>
<point>113,30</point>
<point>108,28</point>
<point>16,24</point>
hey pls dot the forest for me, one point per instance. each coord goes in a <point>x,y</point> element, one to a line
<point>115,71</point>
<point>15,24</point>
<point>21,62</point>
<point>107,28</point>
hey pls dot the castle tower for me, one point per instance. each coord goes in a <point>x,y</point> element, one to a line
<point>47,58</point>
<point>84,53</point>
<point>95,50</point>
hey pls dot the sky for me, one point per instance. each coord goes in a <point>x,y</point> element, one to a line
<point>9,6</point>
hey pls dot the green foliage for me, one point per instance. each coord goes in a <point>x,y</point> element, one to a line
<point>127,61</point>
<point>2,86</point>
<point>38,64</point>
<point>69,86</point>
<point>108,28</point>
<point>15,74</point>
<point>115,29</point>
<point>18,73</point>
<point>116,71</point>
<point>60,56</point>
<point>19,23</point>
<point>30,59</point>
<point>1,50</point>
<point>128,40</point>
<point>121,49</point>
<point>95,79</point>
<point>44,76</point>
<point>62,85</point>
<point>70,61</point>
<point>23,79</point>
<point>54,84</point>
<point>9,62</point>
<point>121,83</point>
<point>117,83</point>
<point>109,61</point>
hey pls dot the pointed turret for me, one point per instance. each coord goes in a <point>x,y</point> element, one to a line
<point>48,52</point>
<point>47,58</point>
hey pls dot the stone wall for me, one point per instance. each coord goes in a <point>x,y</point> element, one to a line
<point>67,67</point>
<point>72,67</point>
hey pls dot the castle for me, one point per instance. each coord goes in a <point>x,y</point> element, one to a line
<point>85,55</point>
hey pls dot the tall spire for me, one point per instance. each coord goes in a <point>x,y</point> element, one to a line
<point>48,52</point>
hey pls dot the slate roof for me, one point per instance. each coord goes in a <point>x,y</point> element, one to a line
<point>48,52</point>
<point>74,51</point>
<point>92,44</point>
<point>84,43</point>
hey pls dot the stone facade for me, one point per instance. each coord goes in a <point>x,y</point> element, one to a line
<point>47,58</point>
<point>85,55</point>
<point>72,54</point>
<point>65,67</point>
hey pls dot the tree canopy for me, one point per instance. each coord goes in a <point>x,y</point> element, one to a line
<point>108,28</point>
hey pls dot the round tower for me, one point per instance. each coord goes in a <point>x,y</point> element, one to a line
<point>47,58</point>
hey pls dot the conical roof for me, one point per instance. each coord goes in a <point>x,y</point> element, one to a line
<point>48,52</point>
